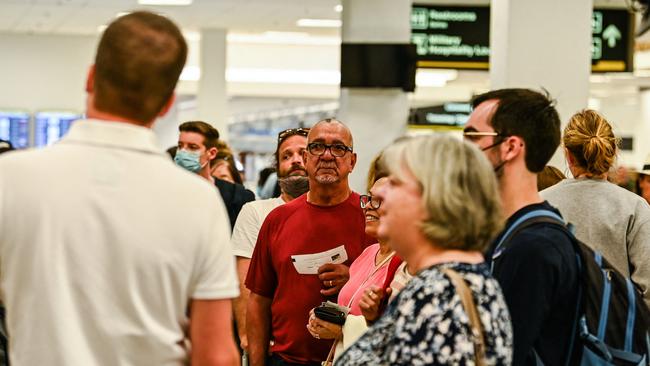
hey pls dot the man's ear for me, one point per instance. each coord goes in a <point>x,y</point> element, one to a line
<point>168,105</point>
<point>353,160</point>
<point>90,79</point>
<point>512,147</point>
<point>212,153</point>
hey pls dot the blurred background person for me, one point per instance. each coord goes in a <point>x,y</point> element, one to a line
<point>197,152</point>
<point>611,219</point>
<point>549,176</point>
<point>440,211</point>
<point>643,182</point>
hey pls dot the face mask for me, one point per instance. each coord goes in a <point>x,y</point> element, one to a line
<point>294,185</point>
<point>188,160</point>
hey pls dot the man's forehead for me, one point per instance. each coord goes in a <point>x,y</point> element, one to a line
<point>482,115</point>
<point>191,137</point>
<point>293,140</point>
<point>330,132</point>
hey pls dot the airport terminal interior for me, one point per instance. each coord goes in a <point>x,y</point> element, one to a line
<point>257,67</point>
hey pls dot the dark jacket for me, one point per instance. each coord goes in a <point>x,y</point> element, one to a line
<point>234,197</point>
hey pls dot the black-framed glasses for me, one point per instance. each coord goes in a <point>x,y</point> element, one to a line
<point>319,148</point>
<point>301,131</point>
<point>369,201</point>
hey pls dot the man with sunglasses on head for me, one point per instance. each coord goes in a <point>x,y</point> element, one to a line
<point>293,184</point>
<point>519,130</point>
<point>327,218</point>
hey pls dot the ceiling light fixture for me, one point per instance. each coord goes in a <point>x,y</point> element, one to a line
<point>165,2</point>
<point>319,23</point>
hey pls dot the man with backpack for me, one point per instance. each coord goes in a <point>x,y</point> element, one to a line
<point>519,130</point>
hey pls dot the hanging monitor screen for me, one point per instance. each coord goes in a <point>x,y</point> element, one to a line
<point>14,126</point>
<point>49,127</point>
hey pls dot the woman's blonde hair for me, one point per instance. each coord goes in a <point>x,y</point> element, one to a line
<point>376,171</point>
<point>589,139</point>
<point>459,189</point>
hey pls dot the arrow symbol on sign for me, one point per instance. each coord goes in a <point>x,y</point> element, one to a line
<point>611,34</point>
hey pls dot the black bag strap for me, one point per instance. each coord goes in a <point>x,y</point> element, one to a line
<point>543,216</point>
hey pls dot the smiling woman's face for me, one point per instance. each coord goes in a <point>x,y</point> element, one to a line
<point>372,216</point>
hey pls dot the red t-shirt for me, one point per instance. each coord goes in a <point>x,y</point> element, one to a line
<point>299,227</point>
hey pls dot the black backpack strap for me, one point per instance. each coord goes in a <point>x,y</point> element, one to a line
<point>529,219</point>
<point>543,216</point>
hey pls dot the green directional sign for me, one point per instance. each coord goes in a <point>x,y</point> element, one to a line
<point>458,37</point>
<point>611,42</point>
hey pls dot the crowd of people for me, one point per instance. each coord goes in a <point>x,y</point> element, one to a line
<point>123,254</point>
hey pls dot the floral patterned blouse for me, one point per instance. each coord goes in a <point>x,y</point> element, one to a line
<point>427,325</point>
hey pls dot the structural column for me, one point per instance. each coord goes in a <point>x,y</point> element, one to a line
<point>543,44</point>
<point>375,116</point>
<point>212,98</point>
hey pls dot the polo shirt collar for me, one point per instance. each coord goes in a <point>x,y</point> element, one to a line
<point>112,134</point>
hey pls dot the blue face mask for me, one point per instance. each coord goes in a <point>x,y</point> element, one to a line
<point>189,160</point>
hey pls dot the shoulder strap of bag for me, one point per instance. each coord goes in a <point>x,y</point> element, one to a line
<point>470,308</point>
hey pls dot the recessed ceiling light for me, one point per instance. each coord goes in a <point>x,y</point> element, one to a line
<point>165,2</point>
<point>319,23</point>
<point>338,8</point>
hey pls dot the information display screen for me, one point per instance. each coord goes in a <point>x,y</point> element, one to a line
<point>14,126</point>
<point>49,127</point>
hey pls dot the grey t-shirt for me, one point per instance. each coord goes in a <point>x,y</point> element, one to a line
<point>611,220</point>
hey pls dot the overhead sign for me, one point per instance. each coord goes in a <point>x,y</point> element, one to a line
<point>452,37</point>
<point>458,37</point>
<point>452,114</point>
<point>612,40</point>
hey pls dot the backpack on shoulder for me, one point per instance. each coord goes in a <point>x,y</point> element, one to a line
<point>612,320</point>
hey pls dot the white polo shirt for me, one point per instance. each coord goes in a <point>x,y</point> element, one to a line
<point>103,242</point>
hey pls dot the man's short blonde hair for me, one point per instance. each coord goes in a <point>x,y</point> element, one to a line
<point>459,190</point>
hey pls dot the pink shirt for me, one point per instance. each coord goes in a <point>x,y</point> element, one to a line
<point>360,269</point>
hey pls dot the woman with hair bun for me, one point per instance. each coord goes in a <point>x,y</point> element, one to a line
<point>610,219</point>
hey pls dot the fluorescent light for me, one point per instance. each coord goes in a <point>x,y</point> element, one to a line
<point>319,23</point>
<point>338,8</point>
<point>281,76</point>
<point>431,78</point>
<point>165,2</point>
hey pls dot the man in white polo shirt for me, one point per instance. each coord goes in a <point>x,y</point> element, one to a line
<point>293,184</point>
<point>119,257</point>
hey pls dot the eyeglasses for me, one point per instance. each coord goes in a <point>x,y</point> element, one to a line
<point>369,201</point>
<point>283,135</point>
<point>337,150</point>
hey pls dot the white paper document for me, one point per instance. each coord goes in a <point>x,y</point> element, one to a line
<point>309,263</point>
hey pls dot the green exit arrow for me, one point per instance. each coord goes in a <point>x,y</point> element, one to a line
<point>611,35</point>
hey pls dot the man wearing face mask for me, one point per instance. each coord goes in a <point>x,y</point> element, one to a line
<point>294,183</point>
<point>197,148</point>
<point>519,130</point>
